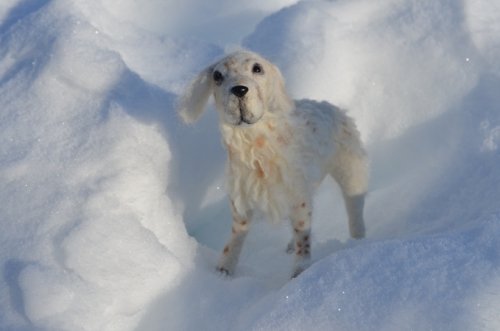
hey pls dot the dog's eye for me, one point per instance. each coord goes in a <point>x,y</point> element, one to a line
<point>218,78</point>
<point>257,69</point>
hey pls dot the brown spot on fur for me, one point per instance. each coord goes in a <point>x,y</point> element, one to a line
<point>306,238</point>
<point>270,126</point>
<point>260,171</point>
<point>303,205</point>
<point>300,224</point>
<point>260,141</point>
<point>226,249</point>
<point>243,222</point>
<point>229,63</point>
<point>296,230</point>
<point>299,252</point>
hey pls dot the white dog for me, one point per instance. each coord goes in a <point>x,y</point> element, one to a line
<point>278,150</point>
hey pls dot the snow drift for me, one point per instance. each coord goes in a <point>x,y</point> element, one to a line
<point>113,212</point>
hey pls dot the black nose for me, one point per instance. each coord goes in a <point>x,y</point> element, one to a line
<point>239,90</point>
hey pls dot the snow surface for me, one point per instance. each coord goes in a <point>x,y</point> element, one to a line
<point>113,213</point>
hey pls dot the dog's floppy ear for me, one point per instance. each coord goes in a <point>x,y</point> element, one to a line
<point>279,99</point>
<point>193,101</point>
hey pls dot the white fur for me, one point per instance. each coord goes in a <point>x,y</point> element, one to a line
<point>278,150</point>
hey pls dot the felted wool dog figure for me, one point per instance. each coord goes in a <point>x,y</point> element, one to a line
<point>279,151</point>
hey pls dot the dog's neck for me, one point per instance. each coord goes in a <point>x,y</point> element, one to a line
<point>257,163</point>
<point>267,136</point>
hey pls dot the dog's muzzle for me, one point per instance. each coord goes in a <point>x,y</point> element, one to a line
<point>245,116</point>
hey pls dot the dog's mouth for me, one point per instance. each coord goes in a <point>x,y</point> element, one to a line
<point>246,117</point>
<point>245,121</point>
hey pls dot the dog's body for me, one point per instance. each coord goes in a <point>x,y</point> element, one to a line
<point>279,151</point>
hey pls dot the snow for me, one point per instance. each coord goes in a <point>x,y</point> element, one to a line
<point>114,212</point>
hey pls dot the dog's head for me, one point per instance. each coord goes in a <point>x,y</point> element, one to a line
<point>245,87</point>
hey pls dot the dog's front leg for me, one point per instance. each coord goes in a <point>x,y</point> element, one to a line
<point>301,223</point>
<point>232,250</point>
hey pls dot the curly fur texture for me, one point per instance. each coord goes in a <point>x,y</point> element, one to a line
<point>279,150</point>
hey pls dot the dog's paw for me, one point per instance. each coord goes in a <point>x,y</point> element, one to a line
<point>359,234</point>
<point>223,272</point>
<point>297,272</point>
<point>290,248</point>
<point>300,266</point>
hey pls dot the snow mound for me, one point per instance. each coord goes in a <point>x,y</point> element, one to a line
<point>88,229</point>
<point>395,285</point>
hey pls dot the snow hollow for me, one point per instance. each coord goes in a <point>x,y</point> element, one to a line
<point>113,212</point>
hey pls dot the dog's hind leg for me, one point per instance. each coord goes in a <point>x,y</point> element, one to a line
<point>352,177</point>
<point>231,252</point>
<point>349,168</point>
<point>354,206</point>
